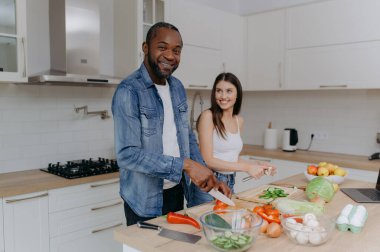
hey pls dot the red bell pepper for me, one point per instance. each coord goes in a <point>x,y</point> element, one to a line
<point>269,218</point>
<point>176,218</point>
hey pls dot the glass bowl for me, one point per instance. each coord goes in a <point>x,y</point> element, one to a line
<point>231,230</point>
<point>308,233</point>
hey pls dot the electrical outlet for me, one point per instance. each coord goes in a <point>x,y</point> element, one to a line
<point>321,135</point>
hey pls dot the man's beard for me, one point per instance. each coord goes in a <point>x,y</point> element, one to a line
<point>157,70</point>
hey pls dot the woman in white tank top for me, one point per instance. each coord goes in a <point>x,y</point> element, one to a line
<point>219,132</point>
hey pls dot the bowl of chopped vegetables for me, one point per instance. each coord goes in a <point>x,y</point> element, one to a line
<point>231,230</point>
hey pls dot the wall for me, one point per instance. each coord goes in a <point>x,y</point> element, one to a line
<point>38,124</point>
<point>350,119</point>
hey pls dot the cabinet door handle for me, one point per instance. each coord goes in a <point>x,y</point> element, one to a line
<point>102,229</point>
<point>198,86</point>
<point>279,75</point>
<point>23,52</point>
<point>333,86</point>
<point>28,198</point>
<point>258,159</point>
<point>109,183</point>
<point>101,207</point>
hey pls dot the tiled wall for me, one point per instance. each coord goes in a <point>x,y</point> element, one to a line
<point>349,118</point>
<point>38,124</point>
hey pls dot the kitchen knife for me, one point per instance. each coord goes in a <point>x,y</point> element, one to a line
<point>171,234</point>
<point>220,196</point>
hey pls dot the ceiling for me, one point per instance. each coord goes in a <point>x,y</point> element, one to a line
<point>245,7</point>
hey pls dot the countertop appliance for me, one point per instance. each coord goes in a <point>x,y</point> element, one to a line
<point>289,140</point>
<point>82,168</point>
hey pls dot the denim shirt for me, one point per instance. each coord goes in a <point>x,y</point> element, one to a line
<point>138,120</point>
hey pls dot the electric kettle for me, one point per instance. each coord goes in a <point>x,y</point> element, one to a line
<point>289,139</point>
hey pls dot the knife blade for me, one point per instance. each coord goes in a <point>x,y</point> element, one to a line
<point>171,234</point>
<point>220,196</point>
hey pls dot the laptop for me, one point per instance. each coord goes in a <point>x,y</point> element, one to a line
<point>364,195</point>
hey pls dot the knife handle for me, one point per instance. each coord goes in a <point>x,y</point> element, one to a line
<point>142,224</point>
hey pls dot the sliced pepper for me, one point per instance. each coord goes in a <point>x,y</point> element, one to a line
<point>176,218</point>
<point>269,218</point>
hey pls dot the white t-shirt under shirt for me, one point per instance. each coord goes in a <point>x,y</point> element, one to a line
<point>227,149</point>
<point>169,134</point>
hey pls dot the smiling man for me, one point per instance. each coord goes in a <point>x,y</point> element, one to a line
<point>156,150</point>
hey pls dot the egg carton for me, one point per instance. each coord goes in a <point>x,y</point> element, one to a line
<point>355,219</point>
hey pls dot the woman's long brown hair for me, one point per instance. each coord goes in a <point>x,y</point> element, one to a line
<point>217,112</point>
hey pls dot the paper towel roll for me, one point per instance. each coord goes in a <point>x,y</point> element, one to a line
<point>270,139</point>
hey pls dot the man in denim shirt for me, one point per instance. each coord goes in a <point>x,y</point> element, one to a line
<point>156,150</point>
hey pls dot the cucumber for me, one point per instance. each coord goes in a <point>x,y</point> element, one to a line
<point>217,221</point>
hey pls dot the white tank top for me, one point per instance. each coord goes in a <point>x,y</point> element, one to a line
<point>227,149</point>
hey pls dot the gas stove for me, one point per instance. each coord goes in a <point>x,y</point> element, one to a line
<point>82,168</point>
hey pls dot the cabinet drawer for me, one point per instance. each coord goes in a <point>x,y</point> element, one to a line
<point>82,195</point>
<point>97,239</point>
<point>90,216</point>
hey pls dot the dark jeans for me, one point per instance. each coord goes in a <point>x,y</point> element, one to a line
<point>173,202</point>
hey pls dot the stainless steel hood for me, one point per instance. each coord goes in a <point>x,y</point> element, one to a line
<point>76,52</point>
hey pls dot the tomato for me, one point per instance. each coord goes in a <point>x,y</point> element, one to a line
<point>273,212</point>
<point>258,209</point>
<point>219,207</point>
<point>220,203</point>
<point>267,207</point>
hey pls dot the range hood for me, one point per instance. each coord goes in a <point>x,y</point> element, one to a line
<point>80,54</point>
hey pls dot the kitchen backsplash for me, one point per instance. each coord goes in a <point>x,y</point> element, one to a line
<point>347,120</point>
<point>38,124</point>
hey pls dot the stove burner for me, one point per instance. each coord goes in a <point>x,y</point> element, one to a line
<point>83,168</point>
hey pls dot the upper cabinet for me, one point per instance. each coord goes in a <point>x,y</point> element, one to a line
<point>205,54</point>
<point>132,20</point>
<point>333,45</point>
<point>13,41</point>
<point>265,49</point>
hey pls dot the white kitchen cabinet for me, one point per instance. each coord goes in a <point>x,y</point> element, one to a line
<point>332,23</point>
<point>132,20</point>
<point>265,50</point>
<point>201,28</point>
<point>1,226</point>
<point>26,223</point>
<point>13,41</point>
<point>234,56</point>
<point>96,239</point>
<point>83,217</point>
<point>348,66</point>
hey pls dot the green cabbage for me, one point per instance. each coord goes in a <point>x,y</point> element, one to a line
<point>296,207</point>
<point>320,188</point>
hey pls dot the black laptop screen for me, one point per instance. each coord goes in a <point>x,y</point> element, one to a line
<point>378,181</point>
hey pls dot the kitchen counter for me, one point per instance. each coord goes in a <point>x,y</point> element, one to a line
<point>23,182</point>
<point>343,160</point>
<point>367,240</point>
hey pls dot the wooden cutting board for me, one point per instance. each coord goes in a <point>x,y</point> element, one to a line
<point>253,195</point>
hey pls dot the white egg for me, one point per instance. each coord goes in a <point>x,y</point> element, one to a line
<point>315,238</point>
<point>312,223</point>
<point>342,220</point>
<point>293,234</point>
<point>306,229</point>
<point>302,238</point>
<point>346,210</point>
<point>309,216</point>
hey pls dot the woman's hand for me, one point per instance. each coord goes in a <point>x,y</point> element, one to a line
<point>257,169</point>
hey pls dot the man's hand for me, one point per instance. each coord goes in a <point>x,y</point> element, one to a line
<point>204,178</point>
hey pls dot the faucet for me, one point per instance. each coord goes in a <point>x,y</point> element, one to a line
<point>103,113</point>
<point>193,121</point>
